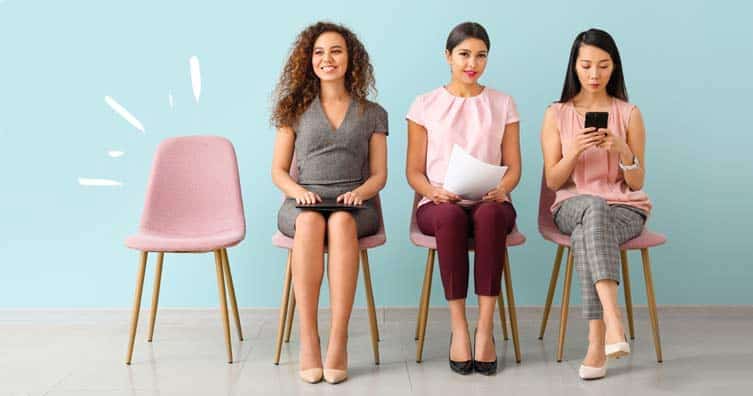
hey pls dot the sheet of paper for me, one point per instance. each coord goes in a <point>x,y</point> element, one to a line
<point>469,177</point>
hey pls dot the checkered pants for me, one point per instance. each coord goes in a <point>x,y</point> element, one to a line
<point>596,231</point>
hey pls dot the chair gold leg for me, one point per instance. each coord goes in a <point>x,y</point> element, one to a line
<point>502,321</point>
<point>370,304</point>
<point>223,303</point>
<point>424,308</point>
<point>628,294</point>
<point>136,305</point>
<point>421,302</point>
<point>511,306</point>
<point>283,306</point>
<point>651,303</point>
<point>565,305</point>
<point>155,295</point>
<point>550,291</point>
<point>231,292</point>
<point>291,315</point>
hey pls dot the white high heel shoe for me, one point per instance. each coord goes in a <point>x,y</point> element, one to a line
<point>618,349</point>
<point>592,373</point>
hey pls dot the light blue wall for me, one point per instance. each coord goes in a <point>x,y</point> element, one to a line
<point>688,66</point>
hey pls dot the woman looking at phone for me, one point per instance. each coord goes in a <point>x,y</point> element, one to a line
<point>598,176</point>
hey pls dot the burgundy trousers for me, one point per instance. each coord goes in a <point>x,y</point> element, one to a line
<point>488,223</point>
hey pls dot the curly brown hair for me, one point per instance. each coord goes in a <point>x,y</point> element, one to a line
<point>299,85</point>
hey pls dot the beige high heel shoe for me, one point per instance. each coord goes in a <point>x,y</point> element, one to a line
<point>335,376</point>
<point>312,375</point>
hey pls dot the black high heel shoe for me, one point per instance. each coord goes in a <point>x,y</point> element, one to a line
<point>462,368</point>
<point>485,368</point>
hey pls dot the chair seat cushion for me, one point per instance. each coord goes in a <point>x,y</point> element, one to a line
<point>418,238</point>
<point>646,239</point>
<point>282,241</point>
<point>153,242</point>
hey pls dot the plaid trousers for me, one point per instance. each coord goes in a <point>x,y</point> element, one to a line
<point>596,231</point>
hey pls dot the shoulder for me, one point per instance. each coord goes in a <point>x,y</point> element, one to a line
<point>497,95</point>
<point>427,98</point>
<point>373,107</point>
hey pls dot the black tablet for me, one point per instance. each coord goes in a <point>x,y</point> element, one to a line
<point>328,205</point>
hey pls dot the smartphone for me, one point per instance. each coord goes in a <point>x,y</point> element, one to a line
<point>596,119</point>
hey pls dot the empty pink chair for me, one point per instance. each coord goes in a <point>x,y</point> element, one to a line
<point>287,306</point>
<point>193,205</point>
<point>515,238</point>
<point>642,242</point>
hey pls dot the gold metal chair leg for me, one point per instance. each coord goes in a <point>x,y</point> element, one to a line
<point>565,305</point>
<point>284,306</point>
<point>550,291</point>
<point>370,304</point>
<point>628,295</point>
<point>291,315</point>
<point>155,295</point>
<point>231,292</point>
<point>136,305</point>
<point>223,303</point>
<point>424,308</point>
<point>420,303</point>
<point>652,303</point>
<point>502,321</point>
<point>511,306</point>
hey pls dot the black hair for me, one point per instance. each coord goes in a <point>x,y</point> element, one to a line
<point>600,39</point>
<point>465,31</point>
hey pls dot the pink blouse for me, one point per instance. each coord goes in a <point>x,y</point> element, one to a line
<point>597,172</point>
<point>475,123</point>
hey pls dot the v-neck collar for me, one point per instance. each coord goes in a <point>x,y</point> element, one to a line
<point>332,128</point>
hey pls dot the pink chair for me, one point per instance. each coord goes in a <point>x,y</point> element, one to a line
<point>287,306</point>
<point>193,205</point>
<point>550,232</point>
<point>515,238</point>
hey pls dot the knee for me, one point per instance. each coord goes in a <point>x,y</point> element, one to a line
<point>451,215</point>
<point>596,206</point>
<point>493,212</point>
<point>341,221</point>
<point>309,221</point>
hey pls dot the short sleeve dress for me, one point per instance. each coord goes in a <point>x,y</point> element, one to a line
<point>331,162</point>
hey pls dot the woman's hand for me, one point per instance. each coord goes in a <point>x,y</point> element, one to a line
<point>585,139</point>
<point>351,198</point>
<point>439,195</point>
<point>614,144</point>
<point>498,194</point>
<point>306,197</point>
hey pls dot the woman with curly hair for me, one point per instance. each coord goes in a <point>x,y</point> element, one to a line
<point>338,140</point>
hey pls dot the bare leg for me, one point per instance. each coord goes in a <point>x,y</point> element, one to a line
<point>607,291</point>
<point>485,351</point>
<point>308,270</point>
<point>342,273</point>
<point>595,356</point>
<point>460,350</point>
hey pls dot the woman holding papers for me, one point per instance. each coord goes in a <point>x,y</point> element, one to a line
<point>484,123</point>
<point>339,141</point>
<point>597,175</point>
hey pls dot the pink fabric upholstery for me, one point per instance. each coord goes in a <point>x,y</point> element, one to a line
<point>418,238</point>
<point>550,232</point>
<point>193,199</point>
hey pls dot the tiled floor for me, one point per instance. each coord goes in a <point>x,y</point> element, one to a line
<point>707,351</point>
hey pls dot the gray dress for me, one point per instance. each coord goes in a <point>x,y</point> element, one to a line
<point>331,163</point>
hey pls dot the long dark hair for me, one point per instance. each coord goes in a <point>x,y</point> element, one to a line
<point>464,31</point>
<point>600,39</point>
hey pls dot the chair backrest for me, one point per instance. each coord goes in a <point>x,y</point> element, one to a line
<point>194,188</point>
<point>546,200</point>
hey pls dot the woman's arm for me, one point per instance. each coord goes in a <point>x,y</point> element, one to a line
<point>559,167</point>
<point>377,167</point>
<point>636,141</point>
<point>511,159</point>
<point>281,158</point>
<point>415,167</point>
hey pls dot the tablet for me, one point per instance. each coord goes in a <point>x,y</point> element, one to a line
<point>328,205</point>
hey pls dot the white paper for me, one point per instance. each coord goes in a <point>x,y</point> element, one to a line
<point>469,177</point>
